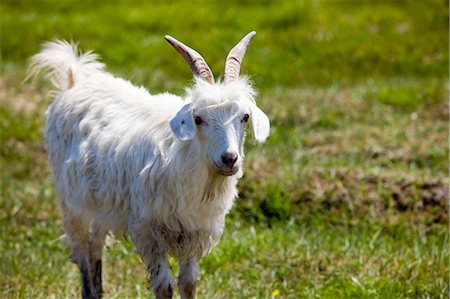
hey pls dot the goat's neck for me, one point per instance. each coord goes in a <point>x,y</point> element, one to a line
<point>205,195</point>
<point>191,168</point>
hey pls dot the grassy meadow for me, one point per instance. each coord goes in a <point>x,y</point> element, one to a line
<point>348,198</point>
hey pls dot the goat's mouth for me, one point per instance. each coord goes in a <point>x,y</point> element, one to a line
<point>226,170</point>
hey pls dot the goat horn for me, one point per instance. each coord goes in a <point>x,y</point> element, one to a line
<point>234,58</point>
<point>196,62</point>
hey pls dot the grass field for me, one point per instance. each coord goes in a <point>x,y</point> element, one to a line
<point>347,199</point>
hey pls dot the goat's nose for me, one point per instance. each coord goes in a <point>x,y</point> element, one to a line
<point>229,159</point>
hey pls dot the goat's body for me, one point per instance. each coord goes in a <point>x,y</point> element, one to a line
<point>112,154</point>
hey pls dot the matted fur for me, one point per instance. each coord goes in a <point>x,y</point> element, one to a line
<point>116,161</point>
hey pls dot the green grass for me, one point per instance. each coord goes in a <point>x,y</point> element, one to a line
<point>347,199</point>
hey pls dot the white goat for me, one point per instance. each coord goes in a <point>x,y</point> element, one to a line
<point>160,167</point>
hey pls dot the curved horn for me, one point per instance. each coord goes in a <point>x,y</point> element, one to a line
<point>234,58</point>
<point>196,62</point>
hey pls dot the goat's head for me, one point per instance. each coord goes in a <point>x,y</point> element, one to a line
<point>216,113</point>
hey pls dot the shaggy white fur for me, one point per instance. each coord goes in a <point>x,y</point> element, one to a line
<point>149,165</point>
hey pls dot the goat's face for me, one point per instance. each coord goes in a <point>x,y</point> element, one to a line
<point>216,118</point>
<point>216,113</point>
<point>221,132</point>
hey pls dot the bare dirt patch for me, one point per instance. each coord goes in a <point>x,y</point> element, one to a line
<point>372,194</point>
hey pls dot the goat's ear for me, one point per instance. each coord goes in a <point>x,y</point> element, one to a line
<point>260,124</point>
<point>182,124</point>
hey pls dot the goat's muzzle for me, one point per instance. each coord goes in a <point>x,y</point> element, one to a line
<point>228,164</point>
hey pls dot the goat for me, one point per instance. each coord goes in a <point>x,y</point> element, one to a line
<point>161,168</point>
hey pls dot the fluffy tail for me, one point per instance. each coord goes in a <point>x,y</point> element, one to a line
<point>64,65</point>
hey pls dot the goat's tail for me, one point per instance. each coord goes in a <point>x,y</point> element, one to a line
<point>64,64</point>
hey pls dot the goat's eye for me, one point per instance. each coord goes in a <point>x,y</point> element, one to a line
<point>198,120</point>
<point>245,118</point>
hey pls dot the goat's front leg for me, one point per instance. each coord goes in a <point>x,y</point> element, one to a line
<point>154,256</point>
<point>160,277</point>
<point>187,279</point>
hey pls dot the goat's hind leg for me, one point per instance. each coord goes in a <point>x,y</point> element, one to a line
<point>97,242</point>
<point>78,238</point>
